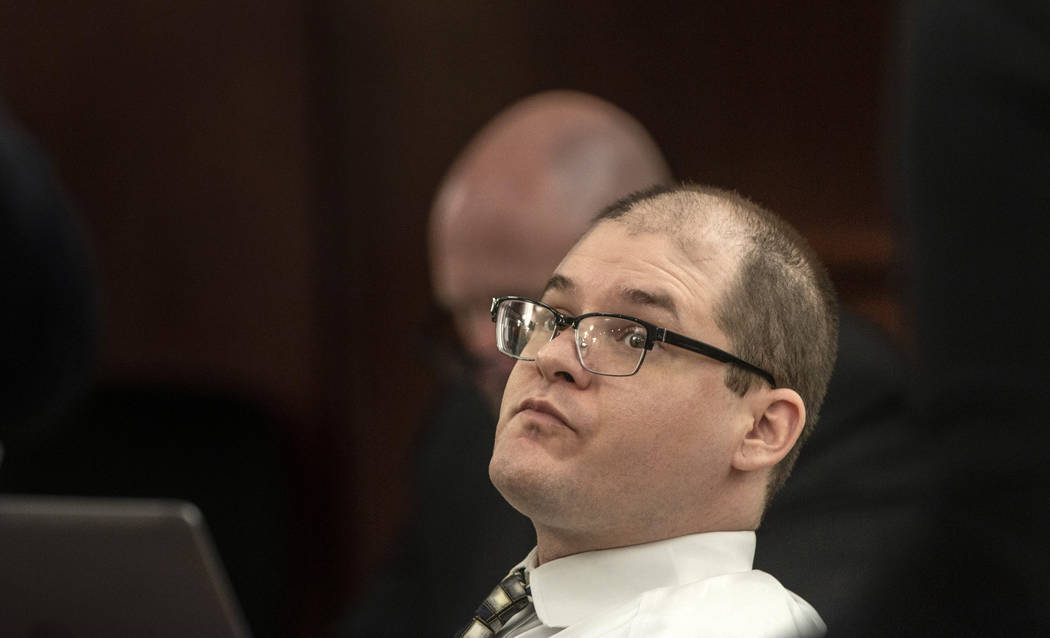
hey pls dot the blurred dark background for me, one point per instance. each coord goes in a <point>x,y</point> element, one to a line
<point>255,180</point>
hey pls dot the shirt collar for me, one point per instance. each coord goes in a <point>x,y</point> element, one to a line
<point>572,588</point>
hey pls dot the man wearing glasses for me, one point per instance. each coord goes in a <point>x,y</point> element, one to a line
<point>663,386</point>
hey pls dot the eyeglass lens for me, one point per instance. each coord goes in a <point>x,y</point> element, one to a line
<point>605,345</point>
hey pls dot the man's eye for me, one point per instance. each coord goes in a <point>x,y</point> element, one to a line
<point>634,339</point>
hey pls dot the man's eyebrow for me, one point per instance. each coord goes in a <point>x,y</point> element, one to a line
<point>560,283</point>
<point>656,299</point>
<point>635,296</point>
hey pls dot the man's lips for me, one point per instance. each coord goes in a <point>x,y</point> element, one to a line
<point>543,407</point>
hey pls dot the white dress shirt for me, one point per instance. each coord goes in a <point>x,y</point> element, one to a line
<point>697,585</point>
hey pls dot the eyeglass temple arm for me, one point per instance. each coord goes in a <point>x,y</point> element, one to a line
<point>700,347</point>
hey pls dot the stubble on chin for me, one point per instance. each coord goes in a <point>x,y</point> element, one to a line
<point>537,493</point>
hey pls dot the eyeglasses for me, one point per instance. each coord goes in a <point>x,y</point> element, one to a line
<point>609,344</point>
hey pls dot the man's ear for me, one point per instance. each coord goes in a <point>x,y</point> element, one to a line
<point>778,418</point>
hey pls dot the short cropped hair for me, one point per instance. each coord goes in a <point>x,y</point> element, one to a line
<point>779,310</point>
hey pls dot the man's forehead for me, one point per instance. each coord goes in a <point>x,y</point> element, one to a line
<point>616,263</point>
<point>701,241</point>
<point>652,297</point>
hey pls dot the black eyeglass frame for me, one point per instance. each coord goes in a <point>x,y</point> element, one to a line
<point>653,333</point>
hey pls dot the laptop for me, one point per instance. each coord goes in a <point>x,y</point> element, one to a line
<point>103,568</point>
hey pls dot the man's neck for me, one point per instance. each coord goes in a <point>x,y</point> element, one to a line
<point>554,544</point>
<point>736,506</point>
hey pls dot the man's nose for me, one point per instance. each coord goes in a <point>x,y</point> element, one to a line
<point>558,359</point>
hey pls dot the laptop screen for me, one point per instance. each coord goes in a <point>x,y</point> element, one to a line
<point>89,567</point>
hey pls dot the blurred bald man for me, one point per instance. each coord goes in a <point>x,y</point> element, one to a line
<point>535,175</point>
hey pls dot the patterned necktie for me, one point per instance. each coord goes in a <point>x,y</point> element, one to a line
<point>507,599</point>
